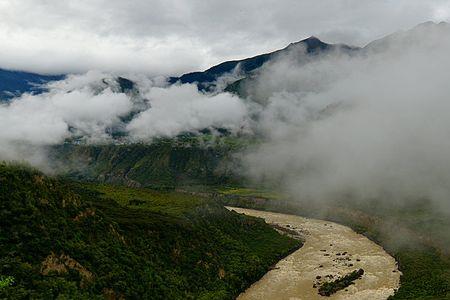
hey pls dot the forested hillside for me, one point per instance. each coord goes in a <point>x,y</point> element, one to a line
<point>69,240</point>
<point>163,164</point>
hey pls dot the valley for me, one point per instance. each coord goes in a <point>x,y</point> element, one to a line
<point>313,170</point>
<point>419,242</point>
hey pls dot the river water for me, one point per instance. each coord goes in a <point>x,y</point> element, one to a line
<point>329,249</point>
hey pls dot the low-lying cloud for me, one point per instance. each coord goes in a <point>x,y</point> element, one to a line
<point>368,125</point>
<point>183,108</point>
<point>90,108</point>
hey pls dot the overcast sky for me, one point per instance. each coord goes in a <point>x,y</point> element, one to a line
<point>165,37</point>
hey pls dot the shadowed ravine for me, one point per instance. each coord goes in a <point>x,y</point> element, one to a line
<point>329,249</point>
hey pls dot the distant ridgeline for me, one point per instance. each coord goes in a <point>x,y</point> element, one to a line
<point>241,72</point>
<point>15,83</point>
<point>206,80</point>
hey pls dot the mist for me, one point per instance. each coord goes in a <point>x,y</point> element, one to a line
<point>183,109</point>
<point>372,125</point>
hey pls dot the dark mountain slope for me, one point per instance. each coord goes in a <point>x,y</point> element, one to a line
<point>205,80</point>
<point>73,241</point>
<point>14,83</point>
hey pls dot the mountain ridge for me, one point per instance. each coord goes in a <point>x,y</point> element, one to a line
<point>205,79</point>
<point>14,83</point>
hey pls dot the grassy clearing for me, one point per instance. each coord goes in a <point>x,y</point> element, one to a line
<point>250,192</point>
<point>167,202</point>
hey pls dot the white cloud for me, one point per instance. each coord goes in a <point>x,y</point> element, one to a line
<point>182,108</point>
<point>89,107</point>
<point>70,109</point>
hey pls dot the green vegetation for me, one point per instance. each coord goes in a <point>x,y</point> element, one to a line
<point>167,202</point>
<point>164,164</point>
<point>68,240</point>
<point>426,274</point>
<point>331,287</point>
<point>6,281</point>
<point>250,192</point>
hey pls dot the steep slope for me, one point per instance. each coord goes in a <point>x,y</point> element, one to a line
<point>14,83</point>
<point>73,241</point>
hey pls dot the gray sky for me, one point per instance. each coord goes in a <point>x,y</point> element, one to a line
<point>161,37</point>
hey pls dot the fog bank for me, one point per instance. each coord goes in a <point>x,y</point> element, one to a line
<point>371,125</point>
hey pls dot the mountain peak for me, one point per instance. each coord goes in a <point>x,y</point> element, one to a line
<point>312,44</point>
<point>310,40</point>
<point>313,38</point>
<point>432,24</point>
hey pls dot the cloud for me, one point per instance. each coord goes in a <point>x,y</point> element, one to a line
<point>69,110</point>
<point>92,107</point>
<point>367,126</point>
<point>162,37</point>
<point>183,109</point>
<point>45,118</point>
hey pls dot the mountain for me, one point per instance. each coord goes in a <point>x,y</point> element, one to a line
<point>242,71</point>
<point>206,80</point>
<point>15,83</point>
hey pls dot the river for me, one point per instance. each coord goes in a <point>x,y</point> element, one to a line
<point>329,249</point>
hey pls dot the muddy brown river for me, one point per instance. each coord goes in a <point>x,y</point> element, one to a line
<point>330,250</point>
